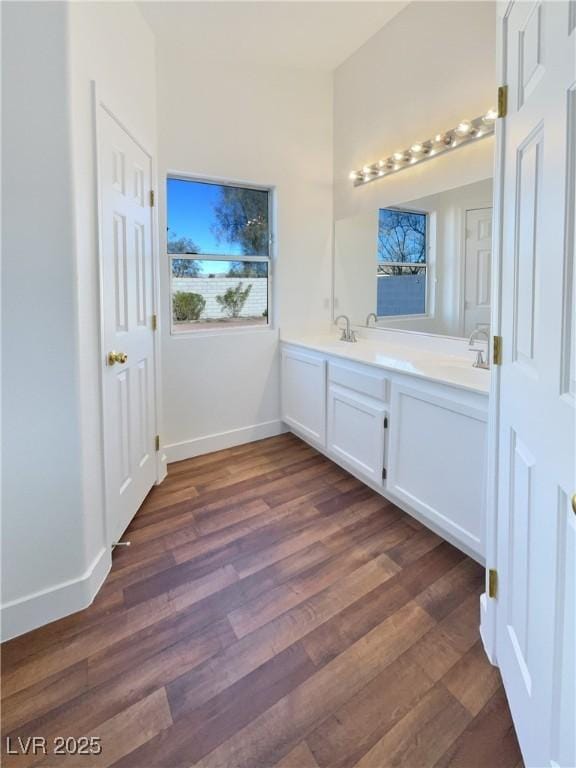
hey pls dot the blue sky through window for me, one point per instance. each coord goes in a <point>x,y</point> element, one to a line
<point>215,219</point>
<point>191,215</point>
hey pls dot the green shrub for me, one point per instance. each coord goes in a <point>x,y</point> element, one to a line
<point>233,299</point>
<point>187,306</point>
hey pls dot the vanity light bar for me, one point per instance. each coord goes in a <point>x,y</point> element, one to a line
<point>465,133</point>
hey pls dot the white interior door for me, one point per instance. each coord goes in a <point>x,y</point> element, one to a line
<point>127,306</point>
<point>535,530</point>
<point>478,256</point>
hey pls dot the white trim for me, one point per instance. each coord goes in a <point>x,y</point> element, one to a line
<point>197,446</point>
<point>217,256</point>
<point>225,331</point>
<point>32,611</point>
<point>271,259</point>
<point>488,614</point>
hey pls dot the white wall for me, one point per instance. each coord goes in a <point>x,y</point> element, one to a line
<point>431,66</point>
<point>355,259</point>
<point>42,526</point>
<point>264,126</point>
<point>53,538</point>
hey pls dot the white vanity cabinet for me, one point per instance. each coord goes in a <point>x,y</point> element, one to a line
<point>304,394</point>
<point>436,460</point>
<point>418,442</point>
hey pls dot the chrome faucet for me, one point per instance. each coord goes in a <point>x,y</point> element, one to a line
<point>371,316</point>
<point>347,333</point>
<point>480,361</point>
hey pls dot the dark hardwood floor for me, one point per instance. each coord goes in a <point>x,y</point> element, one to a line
<point>271,611</point>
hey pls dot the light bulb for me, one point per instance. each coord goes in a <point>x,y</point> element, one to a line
<point>398,156</point>
<point>416,148</point>
<point>366,170</point>
<point>490,116</point>
<point>381,163</point>
<point>353,175</point>
<point>464,127</point>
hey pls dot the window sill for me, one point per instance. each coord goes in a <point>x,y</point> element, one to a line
<point>388,318</point>
<point>208,333</point>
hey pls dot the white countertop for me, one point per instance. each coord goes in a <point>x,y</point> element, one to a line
<point>454,370</point>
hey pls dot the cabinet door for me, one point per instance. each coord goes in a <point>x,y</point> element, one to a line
<point>356,431</point>
<point>304,394</point>
<point>437,462</point>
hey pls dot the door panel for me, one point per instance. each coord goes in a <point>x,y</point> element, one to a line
<point>535,633</point>
<point>128,387</point>
<point>519,556</point>
<point>563,746</point>
<point>304,394</point>
<point>356,431</point>
<point>568,362</point>
<point>527,244</point>
<point>428,468</point>
<point>478,256</point>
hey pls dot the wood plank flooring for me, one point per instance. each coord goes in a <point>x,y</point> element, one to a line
<point>271,611</point>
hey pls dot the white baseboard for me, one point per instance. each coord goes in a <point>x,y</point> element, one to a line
<point>32,611</point>
<point>210,443</point>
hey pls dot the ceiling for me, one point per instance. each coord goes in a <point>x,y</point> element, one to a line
<point>308,35</point>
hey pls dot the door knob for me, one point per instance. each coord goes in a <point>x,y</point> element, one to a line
<point>574,503</point>
<point>117,357</point>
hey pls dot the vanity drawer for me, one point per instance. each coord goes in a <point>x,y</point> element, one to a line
<point>360,378</point>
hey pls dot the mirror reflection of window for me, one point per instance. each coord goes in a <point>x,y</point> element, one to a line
<point>420,265</point>
<point>402,264</point>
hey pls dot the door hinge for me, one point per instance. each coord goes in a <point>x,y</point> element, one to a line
<point>151,198</point>
<point>385,422</point>
<point>497,350</point>
<point>154,322</point>
<point>492,582</point>
<point>157,442</point>
<point>502,101</point>
<point>384,473</point>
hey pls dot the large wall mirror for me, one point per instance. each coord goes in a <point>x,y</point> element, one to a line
<point>422,265</point>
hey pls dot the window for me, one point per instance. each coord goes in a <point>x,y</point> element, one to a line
<point>402,262</point>
<point>219,248</point>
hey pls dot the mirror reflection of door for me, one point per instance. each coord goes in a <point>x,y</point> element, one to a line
<point>478,254</point>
